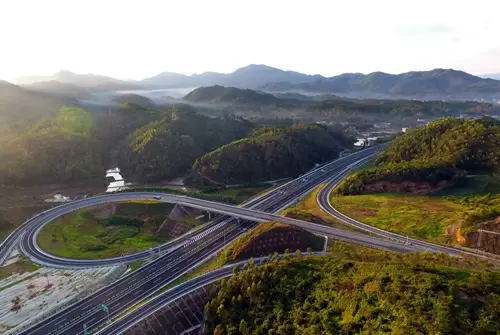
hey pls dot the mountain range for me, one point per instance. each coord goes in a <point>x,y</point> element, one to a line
<point>495,76</point>
<point>91,82</point>
<point>437,84</point>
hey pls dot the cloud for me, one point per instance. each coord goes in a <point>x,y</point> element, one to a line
<point>415,30</point>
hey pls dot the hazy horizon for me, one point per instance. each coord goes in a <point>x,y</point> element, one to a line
<point>191,74</point>
<point>132,40</point>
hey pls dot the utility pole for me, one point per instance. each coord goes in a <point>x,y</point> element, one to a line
<point>407,239</point>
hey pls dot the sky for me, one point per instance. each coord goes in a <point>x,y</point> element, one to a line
<point>138,39</point>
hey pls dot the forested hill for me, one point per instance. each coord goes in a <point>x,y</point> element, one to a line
<point>433,156</point>
<point>221,94</point>
<point>136,99</point>
<point>21,108</point>
<point>272,153</point>
<point>382,294</point>
<point>70,144</point>
<point>55,150</point>
<point>168,147</point>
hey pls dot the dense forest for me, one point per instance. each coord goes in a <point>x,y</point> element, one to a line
<point>438,154</point>
<point>272,153</point>
<point>54,150</point>
<point>382,294</point>
<point>168,147</point>
<point>221,94</point>
<point>72,144</point>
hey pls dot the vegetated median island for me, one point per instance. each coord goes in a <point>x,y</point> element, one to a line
<point>106,230</point>
<point>436,182</point>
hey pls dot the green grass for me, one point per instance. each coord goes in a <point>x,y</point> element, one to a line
<point>435,217</point>
<point>309,210</point>
<point>135,265</point>
<point>21,266</point>
<point>239,195</point>
<point>82,235</point>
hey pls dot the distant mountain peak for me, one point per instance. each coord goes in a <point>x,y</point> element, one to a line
<point>64,73</point>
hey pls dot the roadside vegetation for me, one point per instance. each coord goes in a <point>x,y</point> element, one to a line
<point>366,293</point>
<point>446,216</point>
<point>21,266</point>
<point>261,241</point>
<point>430,158</point>
<point>308,210</point>
<point>105,231</point>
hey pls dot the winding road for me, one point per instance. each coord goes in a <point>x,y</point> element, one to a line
<point>26,235</point>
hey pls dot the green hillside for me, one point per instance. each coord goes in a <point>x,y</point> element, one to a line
<point>168,147</point>
<point>53,151</point>
<point>21,108</point>
<point>431,157</point>
<point>136,99</point>
<point>370,294</point>
<point>272,153</point>
<point>221,94</point>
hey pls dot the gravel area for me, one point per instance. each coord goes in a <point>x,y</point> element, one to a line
<point>35,295</point>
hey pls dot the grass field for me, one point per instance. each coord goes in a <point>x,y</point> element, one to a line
<point>443,216</point>
<point>308,210</point>
<point>105,231</point>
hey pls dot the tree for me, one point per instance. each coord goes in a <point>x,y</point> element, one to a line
<point>243,328</point>
<point>251,262</point>
<point>236,269</point>
<point>219,330</point>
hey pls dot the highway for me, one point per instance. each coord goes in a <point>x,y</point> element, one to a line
<point>189,253</point>
<point>123,323</point>
<point>28,232</point>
